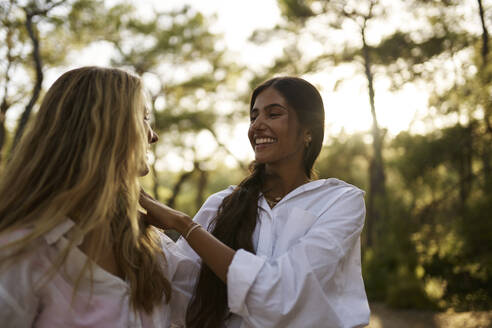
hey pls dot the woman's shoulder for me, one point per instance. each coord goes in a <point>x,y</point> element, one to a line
<point>323,195</point>
<point>337,186</point>
<point>32,248</point>
<point>223,193</point>
<point>14,236</point>
<point>214,200</point>
<point>209,209</point>
<point>9,242</point>
<point>22,266</point>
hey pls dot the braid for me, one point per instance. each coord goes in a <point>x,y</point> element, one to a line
<point>234,226</point>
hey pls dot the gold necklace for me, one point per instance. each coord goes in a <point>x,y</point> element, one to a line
<point>273,202</point>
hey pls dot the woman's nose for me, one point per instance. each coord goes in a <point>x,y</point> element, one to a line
<point>258,123</point>
<point>153,137</point>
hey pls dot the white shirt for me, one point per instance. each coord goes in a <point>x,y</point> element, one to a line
<point>24,302</point>
<point>307,269</point>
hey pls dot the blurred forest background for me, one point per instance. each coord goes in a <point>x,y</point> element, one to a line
<point>428,234</point>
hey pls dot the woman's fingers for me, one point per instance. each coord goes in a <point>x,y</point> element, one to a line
<point>144,197</point>
<point>158,214</point>
<point>162,216</point>
<point>147,217</point>
<point>142,191</point>
<point>152,206</point>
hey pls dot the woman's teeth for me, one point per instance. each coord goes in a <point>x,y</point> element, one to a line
<point>261,141</point>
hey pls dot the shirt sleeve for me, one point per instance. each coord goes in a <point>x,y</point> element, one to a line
<point>182,272</point>
<point>300,288</point>
<point>204,217</point>
<point>185,278</point>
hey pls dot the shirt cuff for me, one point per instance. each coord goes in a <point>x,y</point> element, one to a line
<point>241,274</point>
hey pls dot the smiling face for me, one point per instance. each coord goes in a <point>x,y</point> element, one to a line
<point>274,132</point>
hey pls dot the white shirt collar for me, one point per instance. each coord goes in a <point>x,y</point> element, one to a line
<point>297,191</point>
<point>60,231</point>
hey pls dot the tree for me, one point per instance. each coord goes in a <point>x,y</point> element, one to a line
<point>39,35</point>
<point>457,210</point>
<point>11,59</point>
<point>398,55</point>
<point>334,14</point>
<point>185,68</point>
<point>417,193</point>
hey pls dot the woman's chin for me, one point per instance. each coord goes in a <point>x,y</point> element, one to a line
<point>263,158</point>
<point>260,160</point>
<point>145,170</point>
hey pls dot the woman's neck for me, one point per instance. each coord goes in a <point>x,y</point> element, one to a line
<point>106,257</point>
<point>279,183</point>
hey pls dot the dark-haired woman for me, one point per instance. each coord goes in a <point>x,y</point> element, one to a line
<point>283,249</point>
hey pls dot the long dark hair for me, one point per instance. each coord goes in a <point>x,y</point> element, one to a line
<point>236,217</point>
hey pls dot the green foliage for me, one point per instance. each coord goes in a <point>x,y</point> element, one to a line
<point>184,121</point>
<point>407,292</point>
<point>433,239</point>
<point>390,267</point>
<point>452,235</point>
<point>345,157</point>
<point>296,9</point>
<point>220,178</point>
<point>177,49</point>
<point>464,258</point>
<point>39,35</point>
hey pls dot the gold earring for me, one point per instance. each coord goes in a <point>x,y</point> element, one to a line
<point>307,141</point>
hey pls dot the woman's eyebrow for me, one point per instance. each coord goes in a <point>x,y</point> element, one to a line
<point>269,106</point>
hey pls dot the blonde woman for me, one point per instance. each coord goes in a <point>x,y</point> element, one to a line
<point>73,252</point>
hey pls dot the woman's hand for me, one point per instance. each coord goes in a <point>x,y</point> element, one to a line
<point>213,252</point>
<point>163,216</point>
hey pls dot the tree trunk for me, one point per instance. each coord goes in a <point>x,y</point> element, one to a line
<point>39,80</point>
<point>486,77</point>
<point>171,202</point>
<point>3,130</point>
<point>465,166</point>
<point>377,189</point>
<point>485,34</point>
<point>242,165</point>
<point>200,190</point>
<point>5,105</point>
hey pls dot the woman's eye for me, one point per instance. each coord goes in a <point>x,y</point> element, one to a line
<point>252,118</point>
<point>274,114</point>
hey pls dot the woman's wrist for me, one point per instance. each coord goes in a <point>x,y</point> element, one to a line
<point>182,223</point>
<point>192,227</point>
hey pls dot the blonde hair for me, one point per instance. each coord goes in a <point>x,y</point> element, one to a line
<point>80,159</point>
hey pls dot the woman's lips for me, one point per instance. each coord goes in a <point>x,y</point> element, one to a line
<point>263,146</point>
